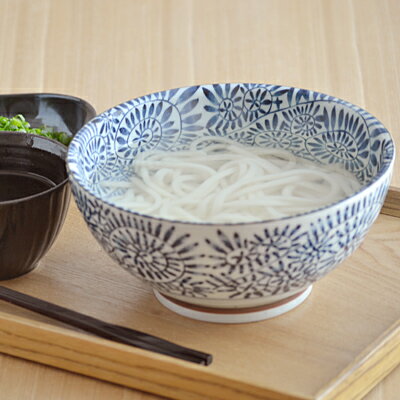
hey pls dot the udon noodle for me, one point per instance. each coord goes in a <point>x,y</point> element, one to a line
<point>220,181</point>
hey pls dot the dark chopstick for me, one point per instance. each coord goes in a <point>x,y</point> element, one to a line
<point>103,329</point>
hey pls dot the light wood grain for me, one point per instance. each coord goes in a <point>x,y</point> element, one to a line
<point>120,364</point>
<point>46,383</point>
<point>358,302</point>
<point>392,203</point>
<point>370,371</point>
<point>110,51</point>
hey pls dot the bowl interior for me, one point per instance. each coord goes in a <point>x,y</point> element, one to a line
<point>61,112</point>
<point>41,158</point>
<point>310,125</point>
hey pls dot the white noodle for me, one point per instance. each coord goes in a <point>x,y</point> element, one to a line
<point>221,181</point>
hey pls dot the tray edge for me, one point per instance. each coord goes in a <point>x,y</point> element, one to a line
<point>376,362</point>
<point>391,206</point>
<point>102,359</point>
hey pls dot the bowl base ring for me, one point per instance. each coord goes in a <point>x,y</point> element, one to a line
<point>233,315</point>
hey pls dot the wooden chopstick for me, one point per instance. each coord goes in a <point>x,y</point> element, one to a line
<point>104,329</point>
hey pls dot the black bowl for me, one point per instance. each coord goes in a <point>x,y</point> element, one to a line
<point>31,213</point>
<point>34,199</point>
<point>61,112</point>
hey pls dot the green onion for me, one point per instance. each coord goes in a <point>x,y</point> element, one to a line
<point>19,124</point>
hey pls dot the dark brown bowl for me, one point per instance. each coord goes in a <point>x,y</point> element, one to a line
<point>30,224</point>
<point>61,112</point>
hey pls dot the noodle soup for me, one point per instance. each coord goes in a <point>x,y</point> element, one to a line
<point>224,231</point>
<point>220,181</point>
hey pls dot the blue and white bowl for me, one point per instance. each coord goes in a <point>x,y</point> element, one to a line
<point>236,272</point>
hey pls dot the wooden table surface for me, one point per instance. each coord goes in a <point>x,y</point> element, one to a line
<point>110,51</point>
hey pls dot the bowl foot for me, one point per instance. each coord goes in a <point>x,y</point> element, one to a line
<point>233,316</point>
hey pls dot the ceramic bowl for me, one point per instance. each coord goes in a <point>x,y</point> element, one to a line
<point>31,213</point>
<point>232,272</point>
<point>62,112</point>
<point>34,198</point>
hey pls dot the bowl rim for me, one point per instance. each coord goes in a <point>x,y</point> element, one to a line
<point>62,147</point>
<point>50,95</point>
<point>381,175</point>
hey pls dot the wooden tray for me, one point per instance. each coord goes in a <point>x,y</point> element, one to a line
<point>392,202</point>
<point>337,345</point>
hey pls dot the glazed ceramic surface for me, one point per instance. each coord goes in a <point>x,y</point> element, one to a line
<point>30,224</point>
<point>232,265</point>
<point>62,112</point>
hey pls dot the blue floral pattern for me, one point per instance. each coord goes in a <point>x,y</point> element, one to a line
<point>232,261</point>
<point>141,128</point>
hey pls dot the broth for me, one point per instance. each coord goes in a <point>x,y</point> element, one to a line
<point>19,184</point>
